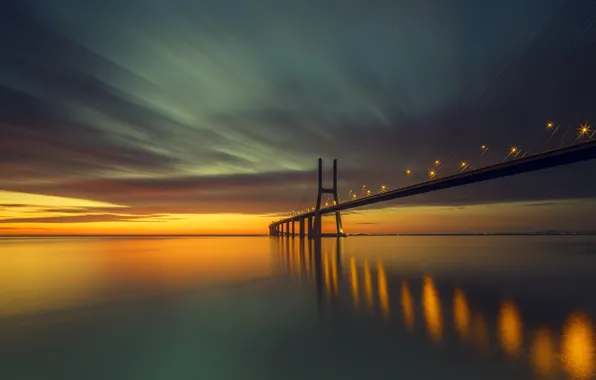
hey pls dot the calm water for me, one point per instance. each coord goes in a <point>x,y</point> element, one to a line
<point>273,308</point>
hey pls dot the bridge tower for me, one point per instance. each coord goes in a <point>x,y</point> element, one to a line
<point>317,227</point>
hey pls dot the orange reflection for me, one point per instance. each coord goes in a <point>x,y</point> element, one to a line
<point>307,264</point>
<point>542,352</point>
<point>407,305</point>
<point>334,275</point>
<point>510,328</point>
<point>383,290</point>
<point>461,313</point>
<point>327,274</point>
<point>432,309</point>
<point>480,330</point>
<point>354,282</point>
<point>577,346</point>
<point>298,259</point>
<point>44,275</point>
<point>368,289</point>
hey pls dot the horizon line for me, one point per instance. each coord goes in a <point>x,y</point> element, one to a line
<point>547,233</point>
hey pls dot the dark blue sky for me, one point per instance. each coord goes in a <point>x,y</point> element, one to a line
<point>216,106</point>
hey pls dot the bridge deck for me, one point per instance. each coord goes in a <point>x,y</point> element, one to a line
<point>549,159</point>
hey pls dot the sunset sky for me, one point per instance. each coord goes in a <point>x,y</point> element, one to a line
<point>186,117</point>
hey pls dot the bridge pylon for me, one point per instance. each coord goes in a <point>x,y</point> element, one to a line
<point>317,226</point>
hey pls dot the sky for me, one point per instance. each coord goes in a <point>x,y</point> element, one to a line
<point>178,117</point>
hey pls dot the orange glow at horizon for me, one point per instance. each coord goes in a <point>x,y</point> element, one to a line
<point>412,219</point>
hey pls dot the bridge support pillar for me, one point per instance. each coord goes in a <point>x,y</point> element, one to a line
<point>318,223</point>
<point>287,228</point>
<point>301,221</point>
<point>293,230</point>
<point>309,226</point>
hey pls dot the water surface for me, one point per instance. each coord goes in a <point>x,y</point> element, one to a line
<point>269,308</point>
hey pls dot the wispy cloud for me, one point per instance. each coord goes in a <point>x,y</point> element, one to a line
<point>211,108</point>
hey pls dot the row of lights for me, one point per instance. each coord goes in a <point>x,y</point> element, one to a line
<point>583,131</point>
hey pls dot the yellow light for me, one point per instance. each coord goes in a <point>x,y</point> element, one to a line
<point>368,290</point>
<point>408,172</point>
<point>513,149</point>
<point>431,173</point>
<point>431,306</point>
<point>354,282</point>
<point>437,162</point>
<point>550,124</point>
<point>542,352</point>
<point>463,164</point>
<point>407,305</point>
<point>510,329</point>
<point>334,202</point>
<point>483,147</point>
<point>578,351</point>
<point>584,129</point>
<point>383,290</point>
<point>461,313</point>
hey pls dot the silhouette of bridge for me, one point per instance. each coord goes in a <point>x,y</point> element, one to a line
<point>310,222</point>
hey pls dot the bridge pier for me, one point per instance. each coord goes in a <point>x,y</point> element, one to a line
<point>318,222</point>
<point>293,224</point>
<point>309,226</point>
<point>301,229</point>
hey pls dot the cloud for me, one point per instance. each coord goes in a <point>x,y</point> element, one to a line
<point>78,219</point>
<point>199,108</point>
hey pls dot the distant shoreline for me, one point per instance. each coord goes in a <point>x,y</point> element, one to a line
<point>261,235</point>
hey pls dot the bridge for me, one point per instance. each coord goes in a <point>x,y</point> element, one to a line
<point>310,222</point>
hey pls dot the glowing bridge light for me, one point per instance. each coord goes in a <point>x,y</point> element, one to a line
<point>464,164</point>
<point>550,124</point>
<point>483,147</point>
<point>354,196</point>
<point>584,129</point>
<point>437,162</point>
<point>432,173</point>
<point>409,172</point>
<point>383,188</point>
<point>514,149</point>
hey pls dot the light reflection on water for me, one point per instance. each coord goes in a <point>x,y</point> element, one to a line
<point>570,355</point>
<point>510,328</point>
<point>480,301</point>
<point>461,314</point>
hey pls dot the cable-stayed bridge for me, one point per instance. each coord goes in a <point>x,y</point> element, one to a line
<point>310,221</point>
<point>552,67</point>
